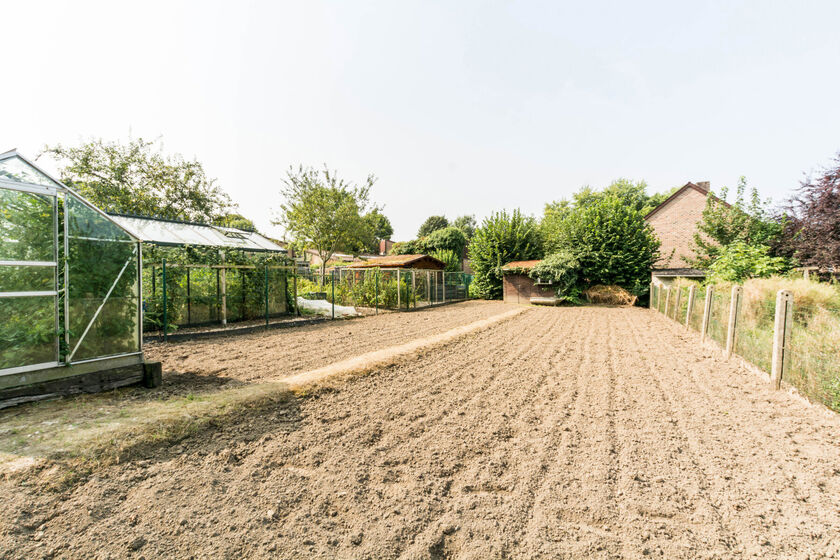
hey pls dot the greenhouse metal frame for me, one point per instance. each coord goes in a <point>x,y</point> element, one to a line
<point>78,305</point>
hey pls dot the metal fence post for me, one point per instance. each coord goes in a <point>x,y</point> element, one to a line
<point>707,312</point>
<point>733,320</point>
<point>443,292</point>
<point>781,335</point>
<point>189,297</point>
<point>690,305</point>
<point>294,291</point>
<point>332,282</point>
<point>429,287</point>
<point>414,288</point>
<point>266,295</point>
<point>223,273</point>
<point>376,291</point>
<point>165,314</point>
<point>398,289</point>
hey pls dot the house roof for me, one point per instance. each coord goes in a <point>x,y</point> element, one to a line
<point>398,261</point>
<point>528,265</point>
<point>681,190</point>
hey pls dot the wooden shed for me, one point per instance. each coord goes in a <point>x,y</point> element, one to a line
<point>518,287</point>
<point>424,262</point>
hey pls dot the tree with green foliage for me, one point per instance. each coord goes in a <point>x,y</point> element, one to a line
<point>325,212</point>
<point>377,228</point>
<point>138,178</point>
<point>446,239</point>
<point>740,261</point>
<point>609,239</point>
<point>500,239</point>
<point>748,220</point>
<point>432,224</point>
<point>466,224</point>
<point>449,258</point>
<point>234,220</point>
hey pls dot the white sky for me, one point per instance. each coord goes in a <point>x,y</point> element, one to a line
<point>457,107</point>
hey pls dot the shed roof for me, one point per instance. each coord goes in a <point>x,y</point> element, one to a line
<point>527,265</point>
<point>175,233</point>
<point>399,261</point>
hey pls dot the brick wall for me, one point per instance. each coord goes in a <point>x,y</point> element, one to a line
<point>675,224</point>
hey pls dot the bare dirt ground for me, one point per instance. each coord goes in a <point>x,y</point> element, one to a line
<point>560,433</point>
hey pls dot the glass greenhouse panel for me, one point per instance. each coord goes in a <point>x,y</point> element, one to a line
<point>103,285</point>
<point>17,170</point>
<point>27,331</point>
<point>27,226</point>
<point>27,278</point>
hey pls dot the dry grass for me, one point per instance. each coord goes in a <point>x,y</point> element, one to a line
<point>609,295</point>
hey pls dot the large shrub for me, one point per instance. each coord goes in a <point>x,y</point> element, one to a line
<point>502,238</point>
<point>739,261</point>
<point>611,242</point>
<point>563,271</point>
<point>446,239</point>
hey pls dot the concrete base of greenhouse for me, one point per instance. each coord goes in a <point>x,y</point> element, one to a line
<point>90,377</point>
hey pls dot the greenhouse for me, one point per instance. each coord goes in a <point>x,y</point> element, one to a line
<point>197,275</point>
<point>69,284</point>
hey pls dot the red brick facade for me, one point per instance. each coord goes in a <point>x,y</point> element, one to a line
<point>675,223</point>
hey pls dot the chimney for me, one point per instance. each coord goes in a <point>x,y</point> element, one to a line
<point>705,185</point>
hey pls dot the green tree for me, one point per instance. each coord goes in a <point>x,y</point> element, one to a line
<point>137,178</point>
<point>446,239</point>
<point>449,258</point>
<point>235,220</point>
<point>739,261</point>
<point>748,220</point>
<point>377,228</point>
<point>562,269</point>
<point>611,242</point>
<point>500,239</point>
<point>325,212</point>
<point>466,224</point>
<point>432,223</point>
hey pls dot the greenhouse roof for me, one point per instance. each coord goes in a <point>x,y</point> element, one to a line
<point>15,168</point>
<point>175,233</point>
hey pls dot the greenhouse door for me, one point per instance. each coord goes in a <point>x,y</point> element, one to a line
<point>28,278</point>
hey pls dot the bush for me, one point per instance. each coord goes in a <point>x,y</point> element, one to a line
<point>449,258</point>
<point>610,240</point>
<point>562,270</point>
<point>502,238</point>
<point>446,239</point>
<point>738,262</point>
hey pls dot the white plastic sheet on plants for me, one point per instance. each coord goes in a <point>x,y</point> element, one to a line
<point>323,307</point>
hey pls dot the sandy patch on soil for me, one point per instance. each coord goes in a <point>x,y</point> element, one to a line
<point>579,432</point>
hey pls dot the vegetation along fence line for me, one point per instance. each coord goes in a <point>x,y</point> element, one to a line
<point>177,295</point>
<point>792,335</point>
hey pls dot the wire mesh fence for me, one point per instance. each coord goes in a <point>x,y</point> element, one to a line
<point>180,296</point>
<point>797,341</point>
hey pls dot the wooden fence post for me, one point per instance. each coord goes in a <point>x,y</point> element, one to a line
<point>707,312</point>
<point>650,299</point>
<point>781,335</point>
<point>690,306</point>
<point>733,320</point>
<point>677,297</point>
<point>667,300</point>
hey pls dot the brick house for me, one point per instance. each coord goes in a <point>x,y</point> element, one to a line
<point>675,223</point>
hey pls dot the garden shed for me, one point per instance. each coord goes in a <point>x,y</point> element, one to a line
<point>69,290</point>
<point>519,287</point>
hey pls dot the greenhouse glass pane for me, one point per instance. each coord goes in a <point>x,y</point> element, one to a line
<point>17,170</point>
<point>27,278</point>
<point>27,331</point>
<point>100,261</point>
<point>27,226</point>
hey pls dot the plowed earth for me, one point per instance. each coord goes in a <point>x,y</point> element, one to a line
<point>559,433</point>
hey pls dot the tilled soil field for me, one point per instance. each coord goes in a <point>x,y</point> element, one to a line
<point>283,352</point>
<point>560,433</point>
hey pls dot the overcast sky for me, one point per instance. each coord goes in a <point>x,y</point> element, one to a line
<point>457,107</point>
